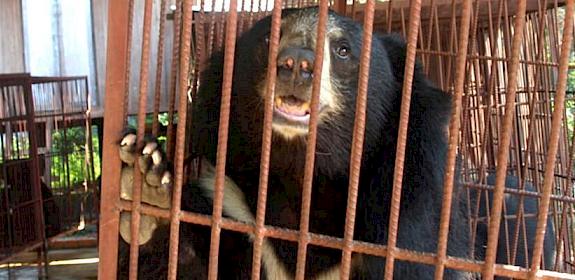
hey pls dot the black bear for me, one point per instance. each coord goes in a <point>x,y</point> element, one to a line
<point>422,176</point>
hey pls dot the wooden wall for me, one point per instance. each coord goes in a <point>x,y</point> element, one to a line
<point>12,42</point>
<point>100,27</point>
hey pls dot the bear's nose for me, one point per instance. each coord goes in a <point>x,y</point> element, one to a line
<point>295,65</point>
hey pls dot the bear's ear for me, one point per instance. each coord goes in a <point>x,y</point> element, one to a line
<point>396,49</point>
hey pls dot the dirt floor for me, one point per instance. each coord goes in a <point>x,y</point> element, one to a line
<point>65,264</point>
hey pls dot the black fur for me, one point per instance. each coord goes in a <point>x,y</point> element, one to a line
<point>423,169</point>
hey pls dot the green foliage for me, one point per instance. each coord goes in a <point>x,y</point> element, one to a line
<point>68,157</point>
<point>570,114</point>
<point>19,149</point>
<point>162,119</point>
<point>570,103</point>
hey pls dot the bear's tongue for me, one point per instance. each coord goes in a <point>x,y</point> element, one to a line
<point>292,105</point>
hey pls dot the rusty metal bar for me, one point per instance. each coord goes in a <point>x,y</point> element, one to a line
<point>530,138</point>
<point>338,243</point>
<point>175,213</point>
<point>438,46</point>
<point>221,22</point>
<point>312,138</point>
<point>476,78</point>
<point>159,67</point>
<point>389,15</point>
<point>426,44</point>
<point>137,183</point>
<point>340,6</point>
<point>200,33</point>
<point>212,28</point>
<point>332,242</point>
<point>452,41</point>
<point>489,58</point>
<point>503,154</point>
<point>251,14</point>
<point>266,137</point>
<point>358,138</point>
<point>562,198</point>
<point>89,148</point>
<point>174,77</point>
<point>34,169</point>
<point>230,44</point>
<point>448,179</point>
<point>128,58</point>
<point>487,120</point>
<point>414,21</point>
<point>116,89</point>
<point>559,106</point>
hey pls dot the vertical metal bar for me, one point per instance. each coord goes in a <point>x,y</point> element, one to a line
<point>116,89</point>
<point>448,179</point>
<point>438,46</point>
<point>358,138</point>
<point>491,84</point>
<point>503,154</point>
<point>34,168</point>
<point>266,138</point>
<point>251,13</point>
<point>201,34</point>
<point>142,102</point>
<point>353,9</point>
<point>128,58</point>
<point>174,77</point>
<point>230,45</point>
<point>243,17</point>
<point>559,106</point>
<point>88,147</point>
<point>312,138</point>
<point>389,15</point>
<point>212,28</point>
<point>470,101</point>
<point>159,67</point>
<point>452,46</point>
<point>340,7</point>
<point>186,40</point>
<point>427,56</point>
<point>65,152</point>
<point>414,21</point>
<point>221,25</point>
<point>531,134</point>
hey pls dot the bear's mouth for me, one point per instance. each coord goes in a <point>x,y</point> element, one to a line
<point>292,109</point>
<point>292,106</point>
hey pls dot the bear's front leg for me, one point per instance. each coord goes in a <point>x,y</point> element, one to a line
<point>156,182</point>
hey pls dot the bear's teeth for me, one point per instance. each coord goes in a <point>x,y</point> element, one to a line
<point>292,106</point>
<point>294,110</point>
<point>278,102</point>
<point>305,107</point>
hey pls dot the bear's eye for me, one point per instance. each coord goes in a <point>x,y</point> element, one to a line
<point>343,51</point>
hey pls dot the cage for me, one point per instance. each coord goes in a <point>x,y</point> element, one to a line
<point>48,176</point>
<point>505,65</point>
